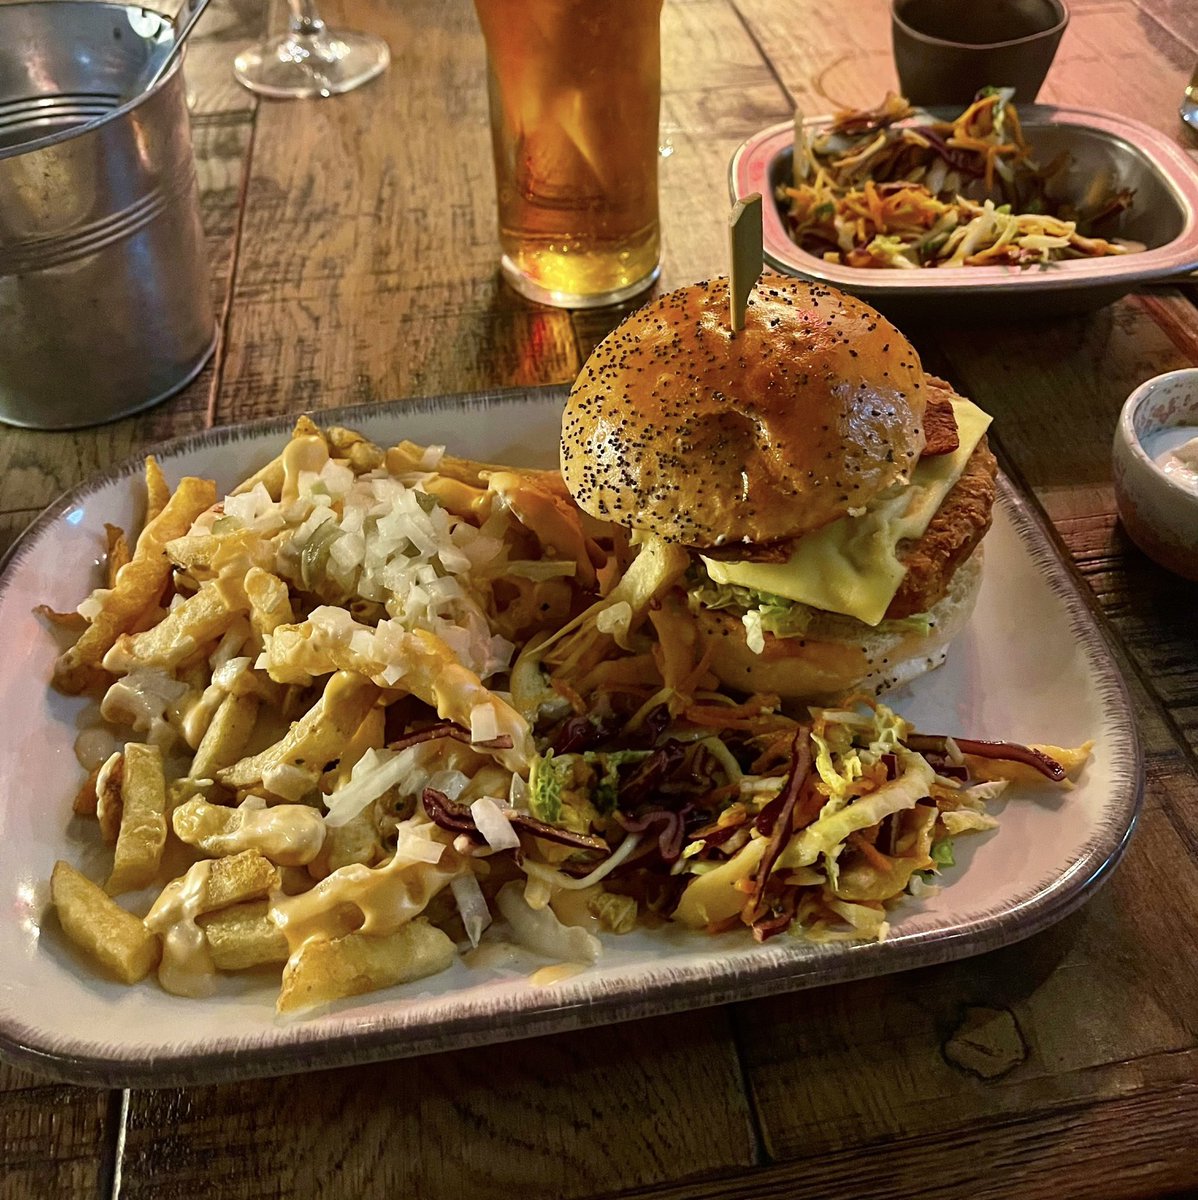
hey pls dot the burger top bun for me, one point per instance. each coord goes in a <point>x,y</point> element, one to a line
<point>709,438</point>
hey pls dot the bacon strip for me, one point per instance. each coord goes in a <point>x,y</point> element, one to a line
<point>939,427</point>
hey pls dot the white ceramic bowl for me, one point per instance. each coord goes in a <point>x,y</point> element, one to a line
<point>1159,514</point>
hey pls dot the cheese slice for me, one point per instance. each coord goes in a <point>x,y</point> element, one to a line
<point>851,566</point>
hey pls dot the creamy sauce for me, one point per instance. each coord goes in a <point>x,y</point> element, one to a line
<point>494,956</point>
<point>142,699</point>
<point>290,835</point>
<point>547,976</point>
<point>186,968</point>
<point>95,746</point>
<point>386,897</point>
<point>288,781</point>
<point>1175,451</point>
<point>571,908</point>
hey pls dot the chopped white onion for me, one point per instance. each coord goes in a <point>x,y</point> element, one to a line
<point>472,904</point>
<point>227,674</point>
<point>493,824</point>
<point>414,843</point>
<point>373,774</point>
<point>288,781</point>
<point>615,618</point>
<point>484,725</point>
<point>449,783</point>
<point>93,606</point>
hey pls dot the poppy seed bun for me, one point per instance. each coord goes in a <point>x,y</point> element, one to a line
<point>678,426</point>
<point>839,656</point>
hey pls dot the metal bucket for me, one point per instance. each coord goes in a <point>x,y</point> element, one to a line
<point>105,298</point>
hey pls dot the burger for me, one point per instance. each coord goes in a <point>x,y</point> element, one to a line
<point>831,496</point>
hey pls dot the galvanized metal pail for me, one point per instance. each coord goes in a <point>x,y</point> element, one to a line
<point>105,299</point>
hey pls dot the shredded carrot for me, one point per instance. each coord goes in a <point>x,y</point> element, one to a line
<point>876,857</point>
<point>873,206</point>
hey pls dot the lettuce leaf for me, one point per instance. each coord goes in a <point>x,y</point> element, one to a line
<point>546,779</point>
<point>942,853</point>
<point>607,764</point>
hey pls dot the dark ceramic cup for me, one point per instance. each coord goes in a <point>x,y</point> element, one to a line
<point>945,50</point>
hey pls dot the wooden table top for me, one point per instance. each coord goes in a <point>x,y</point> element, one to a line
<point>354,256</point>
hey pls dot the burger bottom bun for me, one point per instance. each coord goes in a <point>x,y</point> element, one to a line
<point>839,655</point>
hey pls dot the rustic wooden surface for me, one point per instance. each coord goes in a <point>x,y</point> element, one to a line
<point>354,259</point>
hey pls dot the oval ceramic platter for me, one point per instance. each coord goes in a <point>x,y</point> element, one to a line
<point>1032,666</point>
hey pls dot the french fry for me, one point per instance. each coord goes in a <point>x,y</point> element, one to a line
<point>116,939</point>
<point>205,555</point>
<point>290,835</point>
<point>283,470</point>
<point>428,669</point>
<point>362,455</point>
<point>118,552</point>
<point>269,600</point>
<point>109,806</point>
<point>138,586</point>
<point>210,885</point>
<point>315,739</point>
<point>370,735</point>
<point>64,620</point>
<point>348,966</point>
<point>200,620</point>
<point>142,835</point>
<point>158,491</point>
<point>84,804</point>
<point>242,936</point>
<point>244,876</point>
<point>357,841</point>
<point>269,476</point>
<point>226,736</point>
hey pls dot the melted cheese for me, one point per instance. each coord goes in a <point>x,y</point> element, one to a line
<point>384,897</point>
<point>851,566</point>
<point>186,968</point>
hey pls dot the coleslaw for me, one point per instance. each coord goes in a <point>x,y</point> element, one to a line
<point>893,188</point>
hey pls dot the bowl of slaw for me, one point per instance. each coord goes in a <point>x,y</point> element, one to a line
<point>1100,149</point>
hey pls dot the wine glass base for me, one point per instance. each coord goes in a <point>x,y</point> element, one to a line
<point>301,65</point>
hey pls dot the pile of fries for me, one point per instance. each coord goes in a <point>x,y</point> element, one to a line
<point>375,698</point>
<point>890,187</point>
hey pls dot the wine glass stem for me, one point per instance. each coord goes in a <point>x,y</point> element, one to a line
<point>305,20</point>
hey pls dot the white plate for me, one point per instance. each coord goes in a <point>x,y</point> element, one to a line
<point>1032,666</point>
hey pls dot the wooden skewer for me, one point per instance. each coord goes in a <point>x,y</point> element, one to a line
<point>744,251</point>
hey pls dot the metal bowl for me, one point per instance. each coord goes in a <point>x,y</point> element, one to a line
<point>1105,151</point>
<point>105,299</point>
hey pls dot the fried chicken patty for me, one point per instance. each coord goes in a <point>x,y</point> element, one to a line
<point>951,537</point>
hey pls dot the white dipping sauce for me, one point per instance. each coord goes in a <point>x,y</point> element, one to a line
<point>1175,451</point>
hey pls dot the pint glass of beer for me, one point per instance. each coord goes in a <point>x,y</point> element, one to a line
<point>575,89</point>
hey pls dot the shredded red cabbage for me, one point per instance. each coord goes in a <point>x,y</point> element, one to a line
<point>457,818</point>
<point>447,729</point>
<point>800,768</point>
<point>1003,751</point>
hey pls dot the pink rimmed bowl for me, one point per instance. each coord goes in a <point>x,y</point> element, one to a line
<point>1159,514</point>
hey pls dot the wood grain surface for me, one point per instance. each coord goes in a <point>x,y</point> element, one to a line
<point>354,253</point>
